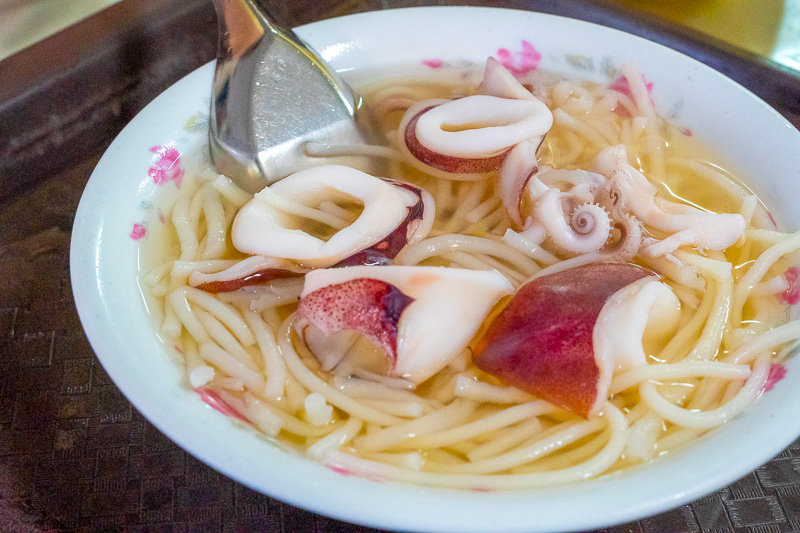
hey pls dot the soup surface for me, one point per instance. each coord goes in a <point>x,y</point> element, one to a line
<point>545,282</point>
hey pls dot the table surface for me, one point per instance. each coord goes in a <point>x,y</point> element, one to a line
<point>74,454</point>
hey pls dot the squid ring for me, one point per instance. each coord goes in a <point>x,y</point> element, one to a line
<point>266,225</point>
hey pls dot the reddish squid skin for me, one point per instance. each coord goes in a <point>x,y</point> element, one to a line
<point>382,252</point>
<point>456,165</point>
<point>541,342</point>
<point>256,278</point>
<point>369,306</point>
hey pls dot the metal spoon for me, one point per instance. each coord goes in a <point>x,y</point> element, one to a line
<point>271,94</point>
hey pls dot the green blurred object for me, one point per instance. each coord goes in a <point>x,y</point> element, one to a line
<point>768,28</point>
<point>25,22</point>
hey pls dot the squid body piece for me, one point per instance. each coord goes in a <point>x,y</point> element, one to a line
<point>645,309</point>
<point>422,317</point>
<point>267,225</point>
<point>507,123</point>
<point>563,336</point>
<point>499,82</point>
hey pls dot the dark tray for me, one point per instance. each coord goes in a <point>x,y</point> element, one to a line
<point>74,454</point>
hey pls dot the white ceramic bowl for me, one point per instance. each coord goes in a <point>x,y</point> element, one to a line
<point>116,209</point>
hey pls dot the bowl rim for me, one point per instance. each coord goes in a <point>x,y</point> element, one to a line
<point>310,486</point>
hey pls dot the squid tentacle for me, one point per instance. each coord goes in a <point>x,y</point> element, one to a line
<point>628,190</point>
<point>585,230</point>
<point>631,234</point>
<point>614,197</point>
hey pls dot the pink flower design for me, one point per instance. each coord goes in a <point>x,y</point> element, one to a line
<point>166,166</point>
<point>791,296</point>
<point>433,63</point>
<point>216,402</point>
<point>520,63</point>
<point>138,232</point>
<point>621,85</point>
<point>340,470</point>
<point>776,373</point>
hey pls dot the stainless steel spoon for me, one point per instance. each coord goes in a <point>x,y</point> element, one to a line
<point>271,94</point>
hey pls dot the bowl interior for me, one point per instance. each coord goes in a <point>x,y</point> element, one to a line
<point>117,211</point>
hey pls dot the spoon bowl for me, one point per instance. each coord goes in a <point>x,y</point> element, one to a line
<point>272,93</point>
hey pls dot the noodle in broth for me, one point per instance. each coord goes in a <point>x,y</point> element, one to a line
<point>464,428</point>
